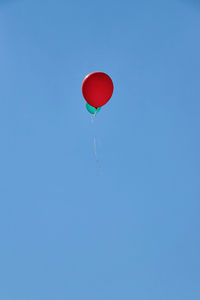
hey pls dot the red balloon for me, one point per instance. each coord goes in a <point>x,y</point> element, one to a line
<point>97,89</point>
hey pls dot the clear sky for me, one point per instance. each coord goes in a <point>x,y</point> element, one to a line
<point>67,231</point>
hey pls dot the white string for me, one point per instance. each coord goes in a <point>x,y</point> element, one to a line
<point>92,118</point>
<point>95,147</point>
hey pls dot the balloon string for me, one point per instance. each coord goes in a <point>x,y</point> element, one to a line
<point>96,157</point>
<point>95,147</point>
<point>92,118</point>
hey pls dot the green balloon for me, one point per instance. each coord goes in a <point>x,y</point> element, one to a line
<point>92,109</point>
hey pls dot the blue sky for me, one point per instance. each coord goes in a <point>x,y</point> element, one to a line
<point>66,230</point>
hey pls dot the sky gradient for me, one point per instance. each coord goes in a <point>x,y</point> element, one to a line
<point>67,229</point>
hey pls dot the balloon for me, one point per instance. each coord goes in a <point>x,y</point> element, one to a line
<point>97,89</point>
<point>92,109</point>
